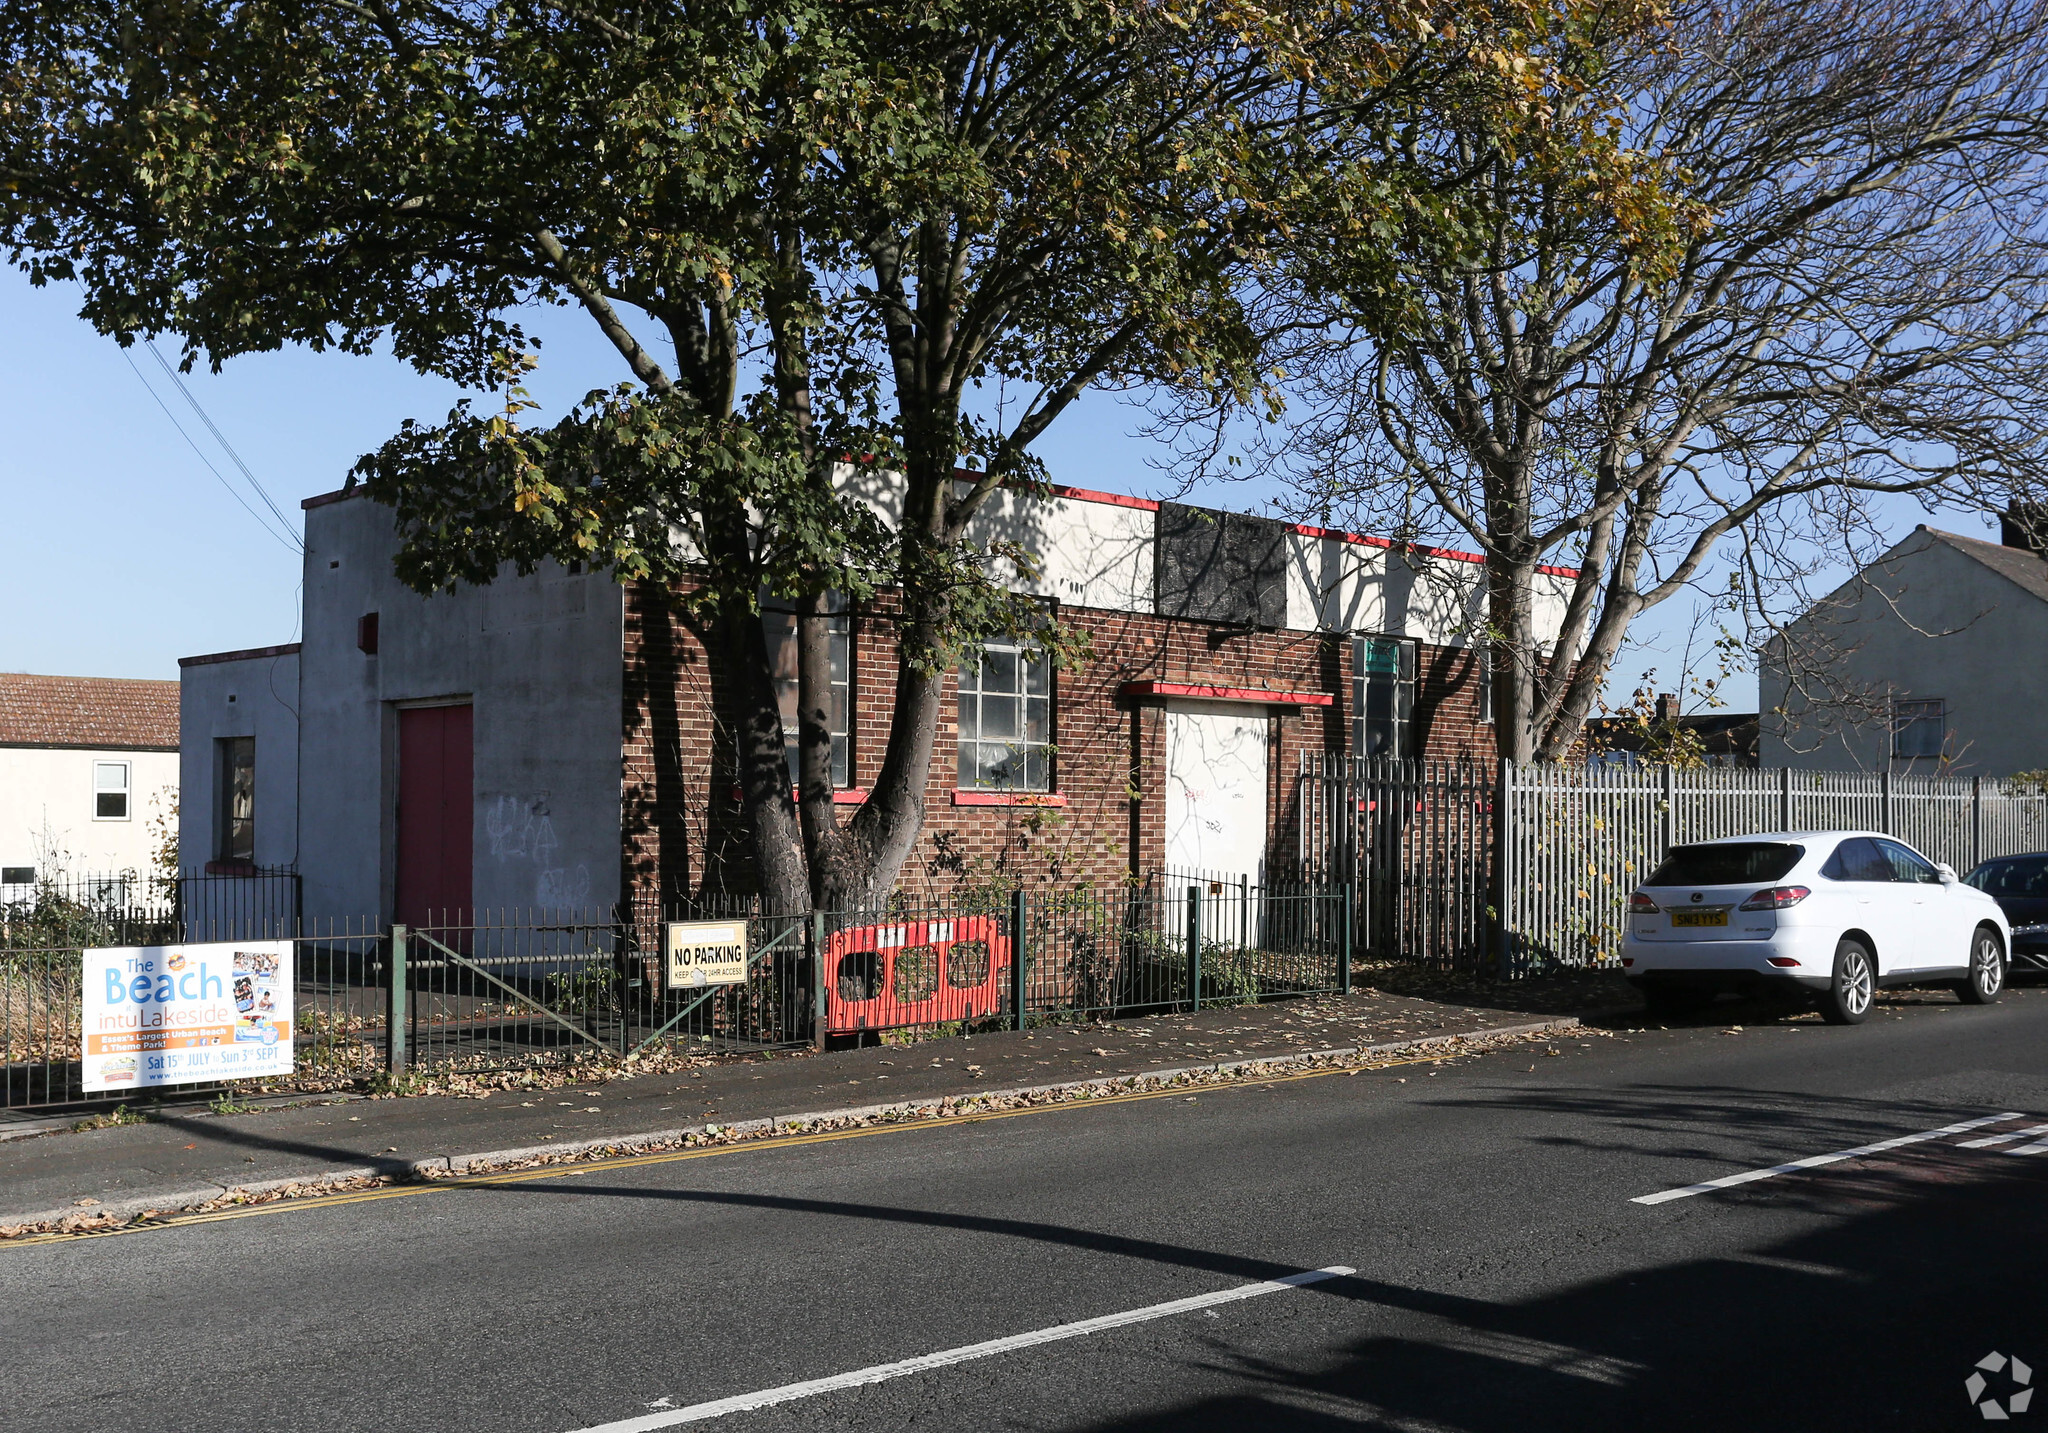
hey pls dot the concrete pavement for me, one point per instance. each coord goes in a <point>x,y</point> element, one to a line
<point>181,1159</point>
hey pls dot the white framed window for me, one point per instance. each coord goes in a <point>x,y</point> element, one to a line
<point>1006,732</point>
<point>1919,728</point>
<point>110,795</point>
<point>1485,650</point>
<point>1384,704</point>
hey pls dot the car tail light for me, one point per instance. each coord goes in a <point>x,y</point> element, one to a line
<point>1641,905</point>
<point>1783,962</point>
<point>1777,898</point>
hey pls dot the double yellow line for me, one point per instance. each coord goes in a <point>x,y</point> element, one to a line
<point>290,1205</point>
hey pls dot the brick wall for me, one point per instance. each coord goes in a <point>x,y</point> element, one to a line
<point>682,831</point>
<point>1447,706</point>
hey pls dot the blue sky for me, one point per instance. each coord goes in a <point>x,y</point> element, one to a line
<point>123,551</point>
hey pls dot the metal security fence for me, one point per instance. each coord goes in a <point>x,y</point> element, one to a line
<point>527,987</point>
<point>338,1023</point>
<point>771,1009</point>
<point>511,989</point>
<point>192,906</point>
<point>1578,839</point>
<point>1177,941</point>
<point>1516,867</point>
<point>225,907</point>
<point>1414,839</point>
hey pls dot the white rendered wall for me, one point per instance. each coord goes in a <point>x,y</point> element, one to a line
<point>1344,585</point>
<point>1091,554</point>
<point>1101,554</point>
<point>46,810</point>
<point>539,658</point>
<point>1924,621</point>
<point>256,697</point>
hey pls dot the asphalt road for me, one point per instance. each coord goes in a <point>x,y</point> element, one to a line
<point>1506,1281</point>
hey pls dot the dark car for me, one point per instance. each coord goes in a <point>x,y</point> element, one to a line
<point>2020,886</point>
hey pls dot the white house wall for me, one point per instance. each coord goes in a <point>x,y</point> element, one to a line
<point>540,660</point>
<point>255,696</point>
<point>46,810</point>
<point>1923,621</point>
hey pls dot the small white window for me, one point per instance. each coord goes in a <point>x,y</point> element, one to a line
<point>778,625</point>
<point>1006,719</point>
<point>110,791</point>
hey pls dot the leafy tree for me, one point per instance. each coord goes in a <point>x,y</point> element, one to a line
<point>834,221</point>
<point>1848,300</point>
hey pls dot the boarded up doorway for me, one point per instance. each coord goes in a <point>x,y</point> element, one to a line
<point>1216,789</point>
<point>435,815</point>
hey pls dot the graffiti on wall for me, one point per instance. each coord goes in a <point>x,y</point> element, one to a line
<point>520,830</point>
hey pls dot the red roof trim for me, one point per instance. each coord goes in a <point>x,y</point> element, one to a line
<point>1090,495</point>
<point>323,499</point>
<point>1225,694</point>
<point>247,654</point>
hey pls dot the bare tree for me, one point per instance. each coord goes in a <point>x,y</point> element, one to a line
<point>1860,308</point>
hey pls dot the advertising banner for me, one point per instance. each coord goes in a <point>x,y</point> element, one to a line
<point>176,1014</point>
<point>702,953</point>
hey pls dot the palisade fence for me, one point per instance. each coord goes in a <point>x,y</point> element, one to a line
<point>1414,839</point>
<point>489,991</point>
<point>1420,840</point>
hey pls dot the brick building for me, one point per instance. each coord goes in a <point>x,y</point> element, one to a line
<point>558,740</point>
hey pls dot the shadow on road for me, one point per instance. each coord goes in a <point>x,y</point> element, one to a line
<point>1873,1322</point>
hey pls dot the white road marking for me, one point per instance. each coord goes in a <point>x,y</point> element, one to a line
<point>2039,1146</point>
<point>2031,1132</point>
<point>789,1392</point>
<point>1815,1161</point>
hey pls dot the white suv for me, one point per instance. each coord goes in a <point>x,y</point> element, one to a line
<point>1839,913</point>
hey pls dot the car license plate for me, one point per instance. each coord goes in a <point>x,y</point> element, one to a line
<point>1698,918</point>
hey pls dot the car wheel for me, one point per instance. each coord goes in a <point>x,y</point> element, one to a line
<point>1853,990</point>
<point>1987,969</point>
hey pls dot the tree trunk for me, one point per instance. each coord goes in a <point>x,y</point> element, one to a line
<point>1511,618</point>
<point>836,865</point>
<point>763,765</point>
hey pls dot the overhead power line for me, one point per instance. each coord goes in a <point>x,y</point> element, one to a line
<point>286,537</point>
<point>218,436</point>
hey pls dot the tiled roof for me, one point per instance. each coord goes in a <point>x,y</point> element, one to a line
<point>2016,565</point>
<point>111,712</point>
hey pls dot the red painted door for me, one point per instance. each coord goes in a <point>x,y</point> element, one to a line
<point>435,815</point>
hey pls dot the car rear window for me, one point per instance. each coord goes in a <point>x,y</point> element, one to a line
<point>1726,863</point>
<point>2015,876</point>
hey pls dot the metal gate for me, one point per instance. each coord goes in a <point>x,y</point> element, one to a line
<point>1416,841</point>
<point>526,986</point>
